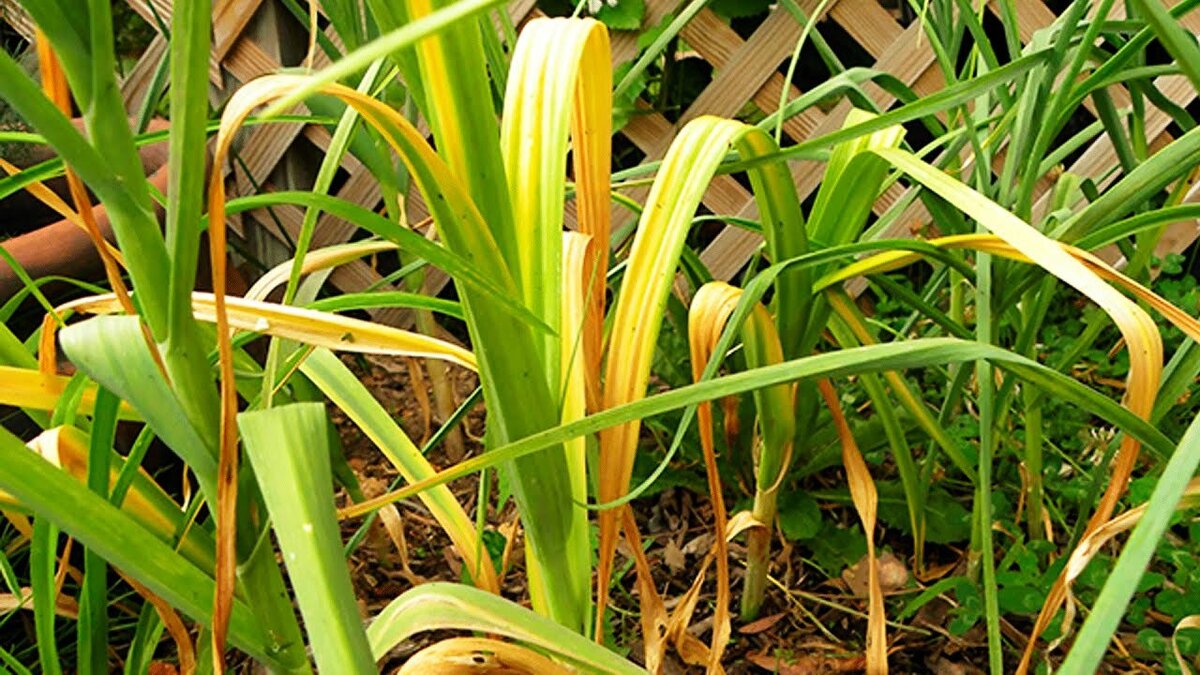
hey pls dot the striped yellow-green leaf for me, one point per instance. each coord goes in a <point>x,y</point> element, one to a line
<point>686,170</point>
<point>559,90</point>
<point>559,101</point>
<point>319,329</point>
<point>31,388</point>
<point>440,606</point>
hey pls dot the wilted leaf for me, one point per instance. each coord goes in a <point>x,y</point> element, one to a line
<point>762,624</point>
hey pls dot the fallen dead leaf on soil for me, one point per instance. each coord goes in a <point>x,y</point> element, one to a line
<point>755,627</point>
<point>673,556</point>
<point>893,575</point>
<point>699,544</point>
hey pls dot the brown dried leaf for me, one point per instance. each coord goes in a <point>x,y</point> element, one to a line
<point>691,650</point>
<point>392,522</point>
<point>866,502</point>
<point>893,575</point>
<point>673,556</point>
<point>761,625</point>
<point>654,613</point>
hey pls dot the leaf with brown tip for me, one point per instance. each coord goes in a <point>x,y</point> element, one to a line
<point>866,503</point>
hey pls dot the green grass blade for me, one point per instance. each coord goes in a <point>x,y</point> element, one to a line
<point>952,96</point>
<point>183,344</point>
<point>108,130</point>
<point>851,183</point>
<point>384,45</point>
<point>146,636</point>
<point>785,233</point>
<point>777,426</point>
<point>60,499</point>
<point>11,662</point>
<point>330,164</point>
<point>656,48</point>
<point>351,301</point>
<point>1178,378</point>
<point>111,351</point>
<point>434,441</point>
<point>1097,631</point>
<point>985,381</point>
<point>190,41</point>
<point>852,180</point>
<point>43,561</point>
<point>92,626</point>
<point>1134,189</point>
<point>132,218</point>
<point>13,352</point>
<point>346,20</point>
<point>287,447</point>
<point>1180,44</point>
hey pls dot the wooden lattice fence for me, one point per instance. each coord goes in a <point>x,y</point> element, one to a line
<point>248,43</point>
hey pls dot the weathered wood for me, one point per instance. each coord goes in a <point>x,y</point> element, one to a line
<point>713,39</point>
<point>136,84</point>
<point>14,15</point>
<point>907,58</point>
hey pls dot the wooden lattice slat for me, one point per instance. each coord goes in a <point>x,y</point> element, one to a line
<point>13,14</point>
<point>229,20</point>
<point>909,59</point>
